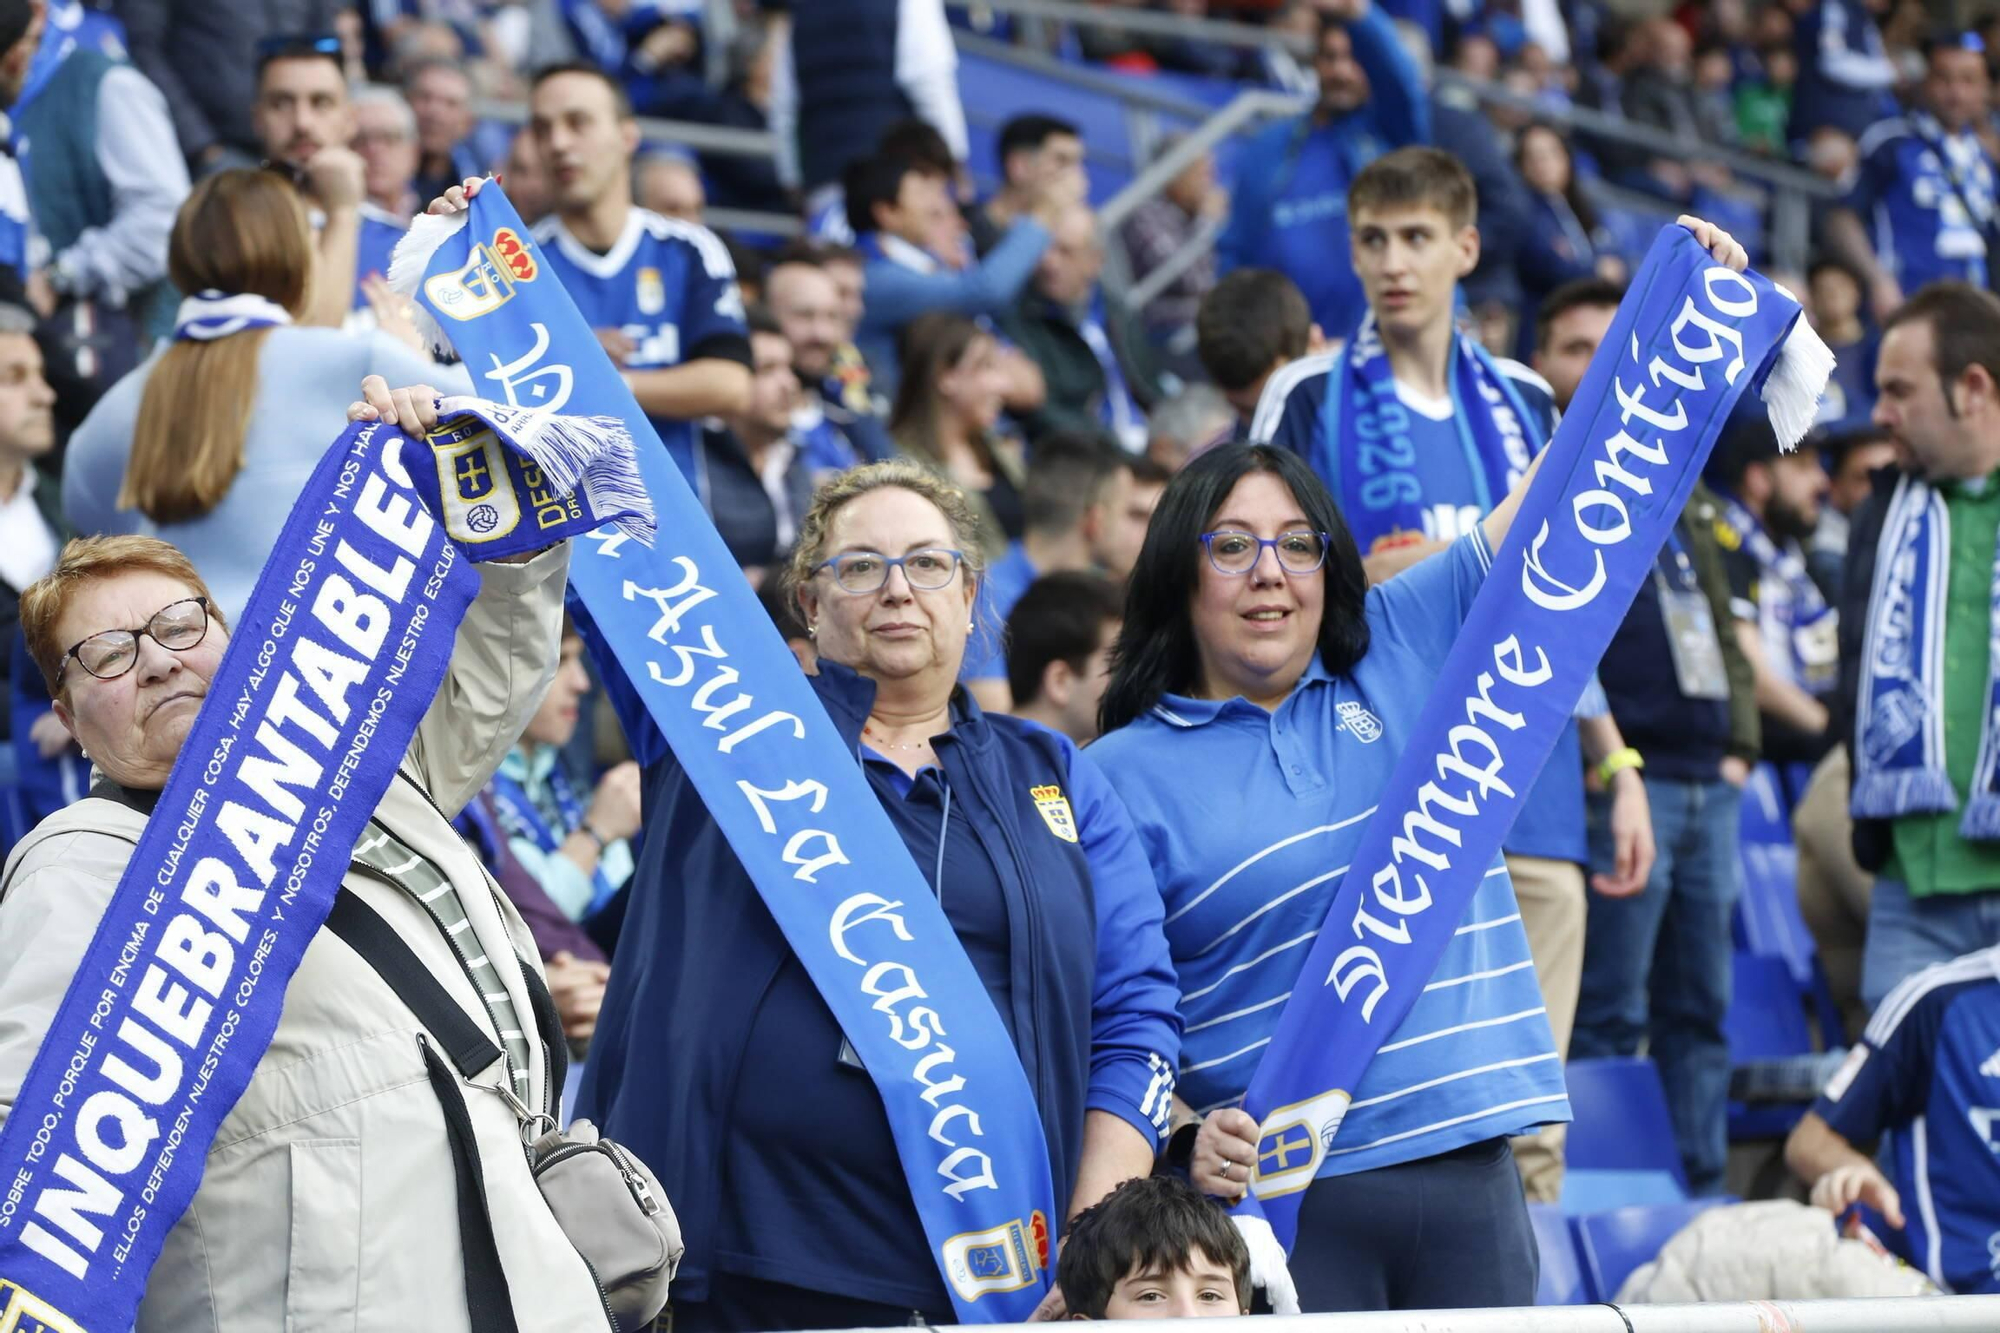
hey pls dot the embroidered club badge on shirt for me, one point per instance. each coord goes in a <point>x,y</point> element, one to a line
<point>1358,722</point>
<point>1055,811</point>
<point>651,291</point>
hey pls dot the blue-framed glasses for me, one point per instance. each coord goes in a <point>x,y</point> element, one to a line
<point>1300,551</point>
<point>866,571</point>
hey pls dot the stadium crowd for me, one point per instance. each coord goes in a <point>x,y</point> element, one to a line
<point>1111,605</point>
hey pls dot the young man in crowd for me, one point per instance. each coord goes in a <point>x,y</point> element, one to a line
<point>1836,297</point>
<point>1037,153</point>
<point>1770,506</point>
<point>1059,641</point>
<point>1154,1248</point>
<point>305,120</point>
<point>1920,702</point>
<point>1854,453</point>
<point>1923,205</point>
<point>661,294</point>
<point>1919,1081</point>
<point>1656,964</point>
<point>749,472</point>
<point>840,423</point>
<point>1251,332</point>
<point>1457,429</point>
<point>1077,515</point>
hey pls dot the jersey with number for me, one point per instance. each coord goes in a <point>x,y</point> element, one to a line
<point>1926,1077</point>
<point>1928,197</point>
<point>668,286</point>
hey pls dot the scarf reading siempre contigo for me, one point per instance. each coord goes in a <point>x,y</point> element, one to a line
<point>1689,338</point>
<point>345,641</point>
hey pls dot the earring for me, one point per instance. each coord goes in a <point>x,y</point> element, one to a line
<point>812,631</point>
<point>968,627</point>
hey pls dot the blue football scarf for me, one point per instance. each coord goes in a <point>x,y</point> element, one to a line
<point>523,818</point>
<point>346,638</point>
<point>1381,481</point>
<point>1899,765</point>
<point>728,696</point>
<point>210,314</point>
<point>1689,338</point>
<point>1805,605</point>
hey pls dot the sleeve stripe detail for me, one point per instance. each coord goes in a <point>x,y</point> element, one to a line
<point>714,254</point>
<point>1911,992</point>
<point>1278,390</point>
<point>1515,370</point>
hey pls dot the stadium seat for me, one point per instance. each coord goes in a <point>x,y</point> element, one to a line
<point>1612,1245</point>
<point>1561,1281</point>
<point>1621,1120</point>
<point>1766,1021</point>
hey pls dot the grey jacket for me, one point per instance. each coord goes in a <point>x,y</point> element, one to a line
<point>328,1200</point>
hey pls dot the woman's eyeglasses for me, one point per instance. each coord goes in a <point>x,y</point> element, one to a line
<point>111,653</point>
<point>1299,551</point>
<point>866,571</point>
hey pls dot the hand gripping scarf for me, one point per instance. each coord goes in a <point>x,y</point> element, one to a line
<point>343,646</point>
<point>728,696</point>
<point>1689,338</point>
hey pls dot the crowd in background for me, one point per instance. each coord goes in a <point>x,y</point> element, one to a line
<point>160,148</point>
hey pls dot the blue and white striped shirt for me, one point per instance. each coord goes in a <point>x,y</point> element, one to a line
<point>1250,819</point>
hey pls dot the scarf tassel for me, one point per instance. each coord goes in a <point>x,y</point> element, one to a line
<point>594,455</point>
<point>1892,793</point>
<point>412,256</point>
<point>1982,819</point>
<point>1798,377</point>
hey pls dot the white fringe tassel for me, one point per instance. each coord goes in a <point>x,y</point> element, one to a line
<point>412,256</point>
<point>594,455</point>
<point>1793,388</point>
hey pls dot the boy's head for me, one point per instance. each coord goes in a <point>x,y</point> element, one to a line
<point>1410,219</point>
<point>1154,1248</point>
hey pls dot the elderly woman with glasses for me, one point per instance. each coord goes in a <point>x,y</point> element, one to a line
<point>333,1189</point>
<point>717,1060</point>
<point>1258,673</point>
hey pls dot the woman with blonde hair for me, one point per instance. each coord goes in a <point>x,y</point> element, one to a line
<point>947,414</point>
<point>209,442</point>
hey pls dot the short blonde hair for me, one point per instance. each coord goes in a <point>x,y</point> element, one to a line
<point>88,560</point>
<point>903,473</point>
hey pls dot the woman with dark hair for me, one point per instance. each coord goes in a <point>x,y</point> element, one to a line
<point>947,417</point>
<point>1563,241</point>
<point>1260,694</point>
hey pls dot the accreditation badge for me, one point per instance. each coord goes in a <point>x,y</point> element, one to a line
<point>1693,641</point>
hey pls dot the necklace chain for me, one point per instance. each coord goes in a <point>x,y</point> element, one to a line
<point>868,729</point>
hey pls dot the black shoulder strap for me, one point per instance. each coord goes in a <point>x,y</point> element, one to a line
<point>396,963</point>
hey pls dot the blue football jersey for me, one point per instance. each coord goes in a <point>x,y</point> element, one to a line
<point>380,232</point>
<point>1926,1077</point>
<point>669,286</point>
<point>1928,197</point>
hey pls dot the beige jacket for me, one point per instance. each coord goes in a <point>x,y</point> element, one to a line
<point>328,1200</point>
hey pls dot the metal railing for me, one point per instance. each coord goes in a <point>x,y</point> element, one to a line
<point>1933,1314</point>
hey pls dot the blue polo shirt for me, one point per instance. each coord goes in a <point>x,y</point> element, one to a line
<point>1250,819</point>
<point>1926,1077</point>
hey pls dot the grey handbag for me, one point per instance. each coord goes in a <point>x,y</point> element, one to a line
<point>614,1212</point>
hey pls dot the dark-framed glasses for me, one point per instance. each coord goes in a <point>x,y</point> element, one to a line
<point>1299,551</point>
<point>109,654</point>
<point>866,571</point>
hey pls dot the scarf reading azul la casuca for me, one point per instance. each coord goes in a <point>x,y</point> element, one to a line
<point>1689,338</point>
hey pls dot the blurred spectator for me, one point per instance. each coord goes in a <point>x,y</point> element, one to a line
<point>207,444</point>
<point>947,416</point>
<point>1835,296</point>
<point>440,97</point>
<point>1658,93</point>
<point>652,47</point>
<point>205,59</point>
<point>305,121</point>
<point>21,26</point>
<point>1094,364</point>
<point>909,230</point>
<point>1916,1083</point>
<point>1253,325</point>
<point>580,853</point>
<point>1713,78</point>
<point>385,134</point>
<point>1562,242</point>
<point>752,477</point>
<point>1079,514</point>
<point>1059,639</point>
<point>1855,451</point>
<point>1191,206</point>
<point>527,179</point>
<point>1926,187</point>
<point>1289,211</point>
<point>660,293</point>
<point>1844,73</point>
<point>1834,890</point>
<point>670,185</point>
<point>1771,504</point>
<point>1764,101</point>
<point>745,103</point>
<point>1937,865</point>
<point>1040,157</point>
<point>838,420</point>
<point>32,530</point>
<point>856,67</point>
<point>1195,419</point>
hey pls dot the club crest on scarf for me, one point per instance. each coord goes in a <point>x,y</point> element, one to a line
<point>22,1312</point>
<point>1009,1257</point>
<point>486,280</point>
<point>1054,809</point>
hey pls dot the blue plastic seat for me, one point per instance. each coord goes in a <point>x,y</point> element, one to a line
<point>1561,1281</point>
<point>1612,1245</point>
<point>1621,1123</point>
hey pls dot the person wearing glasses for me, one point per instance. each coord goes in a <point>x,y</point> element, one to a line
<point>716,1058</point>
<point>1260,695</point>
<point>330,1192</point>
